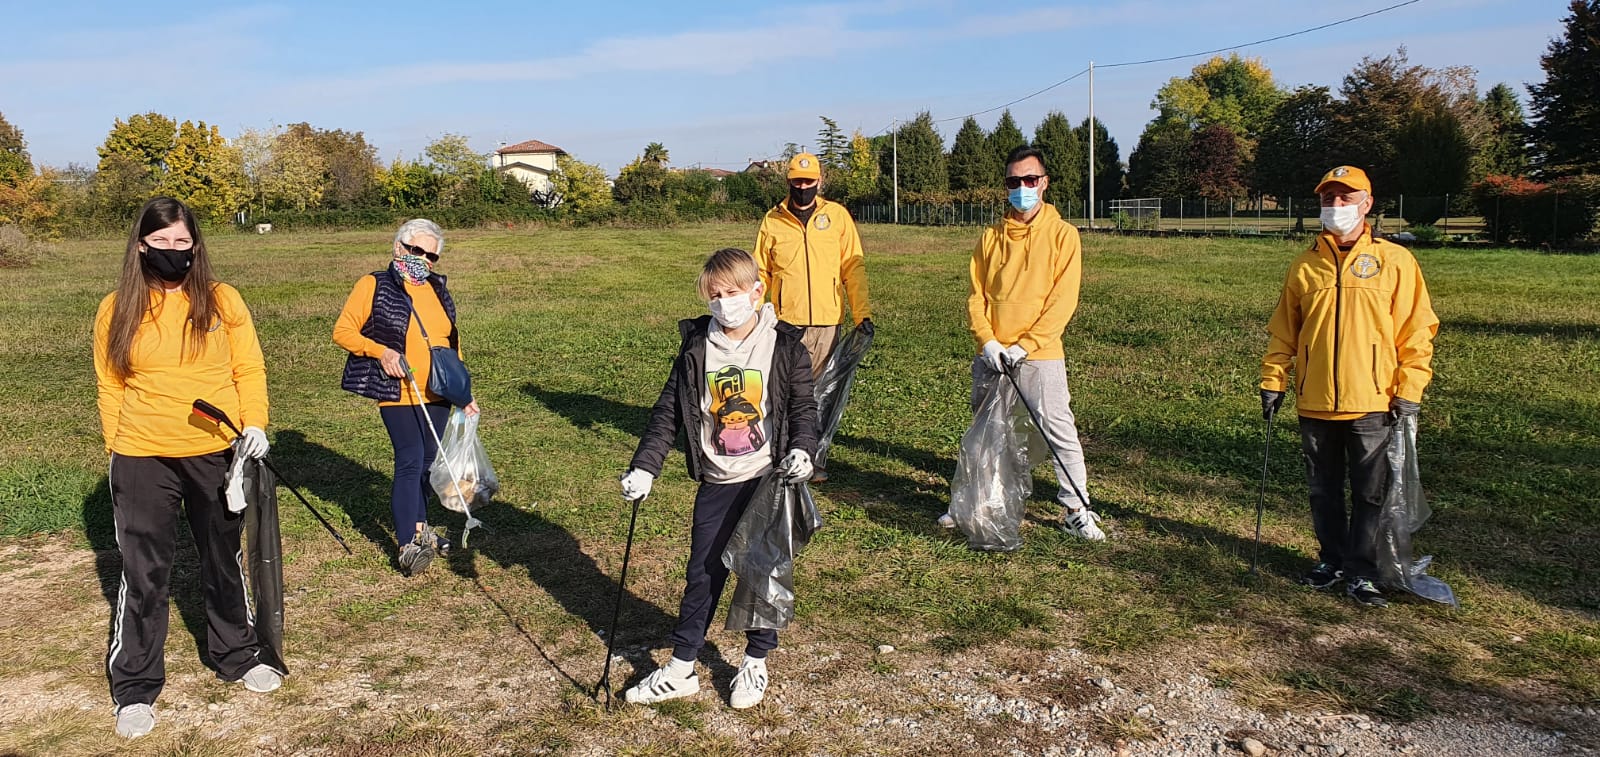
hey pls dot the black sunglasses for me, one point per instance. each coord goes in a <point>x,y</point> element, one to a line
<point>433,257</point>
<point>1032,180</point>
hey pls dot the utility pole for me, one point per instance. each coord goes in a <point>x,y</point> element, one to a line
<point>1091,144</point>
<point>894,151</point>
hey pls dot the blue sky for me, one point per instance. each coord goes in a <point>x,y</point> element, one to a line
<point>718,83</point>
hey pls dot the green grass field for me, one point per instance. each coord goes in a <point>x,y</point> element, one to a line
<point>569,334</point>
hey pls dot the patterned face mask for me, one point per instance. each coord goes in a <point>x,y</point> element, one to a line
<point>413,268</point>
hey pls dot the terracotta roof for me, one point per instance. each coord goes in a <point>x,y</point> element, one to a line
<point>532,145</point>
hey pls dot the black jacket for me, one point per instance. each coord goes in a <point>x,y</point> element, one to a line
<point>793,408</point>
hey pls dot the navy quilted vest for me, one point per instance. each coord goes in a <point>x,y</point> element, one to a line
<point>387,325</point>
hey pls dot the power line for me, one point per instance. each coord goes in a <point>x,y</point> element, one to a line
<point>1170,58</point>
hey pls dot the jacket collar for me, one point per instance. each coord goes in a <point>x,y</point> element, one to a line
<point>1019,230</point>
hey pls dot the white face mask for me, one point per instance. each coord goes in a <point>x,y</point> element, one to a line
<point>733,312</point>
<point>1342,219</point>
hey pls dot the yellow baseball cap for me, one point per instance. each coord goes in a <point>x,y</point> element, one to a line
<point>1349,176</point>
<point>804,166</point>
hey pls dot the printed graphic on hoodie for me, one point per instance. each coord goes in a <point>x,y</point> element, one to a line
<point>736,411</point>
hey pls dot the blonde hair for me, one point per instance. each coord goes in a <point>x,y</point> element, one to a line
<point>729,265</point>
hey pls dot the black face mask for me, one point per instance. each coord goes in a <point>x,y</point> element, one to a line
<point>169,265</point>
<point>802,197</point>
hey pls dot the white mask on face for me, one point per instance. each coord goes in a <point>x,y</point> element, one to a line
<point>1342,219</point>
<point>733,312</point>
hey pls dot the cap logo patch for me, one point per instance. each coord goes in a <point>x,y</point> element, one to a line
<point>805,162</point>
<point>1341,171</point>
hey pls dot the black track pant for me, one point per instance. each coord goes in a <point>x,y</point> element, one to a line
<point>145,492</point>
<point>717,508</point>
<point>1335,450</point>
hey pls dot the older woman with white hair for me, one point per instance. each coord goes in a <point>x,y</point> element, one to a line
<point>392,319</point>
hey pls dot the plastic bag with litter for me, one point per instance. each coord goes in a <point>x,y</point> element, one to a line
<point>1405,509</point>
<point>775,526</point>
<point>832,388</point>
<point>994,471</point>
<point>461,473</point>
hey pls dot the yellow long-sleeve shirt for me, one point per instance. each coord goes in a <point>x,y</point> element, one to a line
<point>358,308</point>
<point>1025,279</point>
<point>149,413</point>
<point>1356,326</point>
<point>808,269</point>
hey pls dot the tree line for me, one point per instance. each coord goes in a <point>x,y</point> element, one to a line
<point>1226,132</point>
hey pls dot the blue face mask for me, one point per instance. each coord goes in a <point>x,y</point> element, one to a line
<point>1024,198</point>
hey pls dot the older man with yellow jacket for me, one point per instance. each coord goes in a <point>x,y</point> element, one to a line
<point>1026,273</point>
<point>1355,323</point>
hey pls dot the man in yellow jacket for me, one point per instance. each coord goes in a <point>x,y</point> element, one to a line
<point>1355,323</point>
<point>810,260</point>
<point>1026,273</point>
<point>809,257</point>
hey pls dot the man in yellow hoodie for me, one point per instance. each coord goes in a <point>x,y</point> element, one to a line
<point>1026,273</point>
<point>1355,323</point>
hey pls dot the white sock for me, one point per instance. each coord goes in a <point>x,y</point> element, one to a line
<point>755,662</point>
<point>680,668</point>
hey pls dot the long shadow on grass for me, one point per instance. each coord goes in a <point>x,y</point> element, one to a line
<point>552,557</point>
<point>1562,331</point>
<point>99,529</point>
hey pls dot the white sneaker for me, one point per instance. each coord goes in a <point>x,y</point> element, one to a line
<point>946,521</point>
<point>135,720</point>
<point>660,686</point>
<point>750,685</point>
<point>1083,522</point>
<point>261,679</point>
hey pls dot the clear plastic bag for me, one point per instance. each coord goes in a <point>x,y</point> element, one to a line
<point>776,525</point>
<point>461,473</point>
<point>994,472</point>
<point>1405,509</point>
<point>832,388</point>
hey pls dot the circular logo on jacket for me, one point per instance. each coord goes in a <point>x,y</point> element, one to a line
<point>1365,266</point>
<point>822,221</point>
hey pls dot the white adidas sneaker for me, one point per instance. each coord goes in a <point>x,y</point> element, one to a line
<point>750,685</point>
<point>661,686</point>
<point>135,720</point>
<point>1084,523</point>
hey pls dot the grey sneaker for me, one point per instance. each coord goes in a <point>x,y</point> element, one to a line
<point>261,679</point>
<point>415,557</point>
<point>135,720</point>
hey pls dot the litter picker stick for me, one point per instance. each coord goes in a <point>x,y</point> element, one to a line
<point>215,415</point>
<point>1039,422</point>
<point>616,610</point>
<point>1261,500</point>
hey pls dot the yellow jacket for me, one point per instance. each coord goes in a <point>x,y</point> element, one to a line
<point>1358,328</point>
<point>148,413</point>
<point>807,270</point>
<point>358,308</point>
<point>1025,281</point>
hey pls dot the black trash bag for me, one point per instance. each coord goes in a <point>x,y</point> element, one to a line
<point>1405,509</point>
<point>264,562</point>
<point>775,526</point>
<point>832,388</point>
<point>994,472</point>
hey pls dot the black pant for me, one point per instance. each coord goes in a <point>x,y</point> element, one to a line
<point>414,450</point>
<point>1333,450</point>
<point>717,508</point>
<point>145,492</point>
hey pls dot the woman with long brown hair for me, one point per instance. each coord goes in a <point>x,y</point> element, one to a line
<point>170,334</point>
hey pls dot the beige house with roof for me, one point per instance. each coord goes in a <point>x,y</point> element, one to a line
<point>531,162</point>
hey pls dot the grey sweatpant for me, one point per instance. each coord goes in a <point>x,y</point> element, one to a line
<point>1043,384</point>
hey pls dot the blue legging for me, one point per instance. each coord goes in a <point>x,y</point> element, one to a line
<point>414,450</point>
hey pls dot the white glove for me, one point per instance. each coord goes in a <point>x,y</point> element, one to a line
<point>796,466</point>
<point>1014,355</point>
<point>994,354</point>
<point>636,484</point>
<point>252,443</point>
<point>235,490</point>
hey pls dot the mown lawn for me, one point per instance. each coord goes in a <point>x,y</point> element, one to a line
<point>570,332</point>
